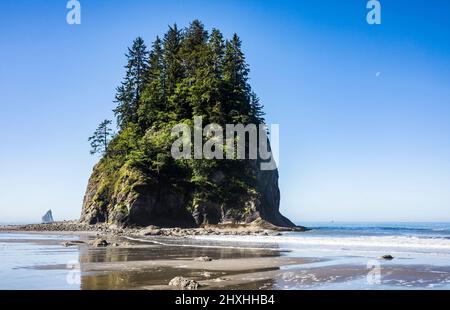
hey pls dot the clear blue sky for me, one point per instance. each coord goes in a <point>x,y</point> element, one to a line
<point>363,110</point>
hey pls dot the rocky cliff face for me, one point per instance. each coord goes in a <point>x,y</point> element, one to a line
<point>141,201</point>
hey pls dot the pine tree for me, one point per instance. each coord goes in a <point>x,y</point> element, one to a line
<point>194,44</point>
<point>256,110</point>
<point>101,138</point>
<point>215,76</point>
<point>153,101</point>
<point>128,94</point>
<point>156,65</point>
<point>173,69</point>
<point>236,69</point>
<point>138,65</point>
<point>124,99</point>
<point>193,48</point>
<point>196,35</point>
<point>217,47</point>
<point>236,76</point>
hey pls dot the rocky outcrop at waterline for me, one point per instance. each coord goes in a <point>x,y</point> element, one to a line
<point>164,205</point>
<point>256,228</point>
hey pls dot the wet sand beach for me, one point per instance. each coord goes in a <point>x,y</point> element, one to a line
<point>67,260</point>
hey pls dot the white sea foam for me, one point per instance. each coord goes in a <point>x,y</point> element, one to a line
<point>354,241</point>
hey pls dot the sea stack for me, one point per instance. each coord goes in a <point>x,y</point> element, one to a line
<point>48,217</point>
<point>190,73</point>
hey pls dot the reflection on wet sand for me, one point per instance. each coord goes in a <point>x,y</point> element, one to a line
<point>146,265</point>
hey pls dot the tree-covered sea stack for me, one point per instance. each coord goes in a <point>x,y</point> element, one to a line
<point>186,73</point>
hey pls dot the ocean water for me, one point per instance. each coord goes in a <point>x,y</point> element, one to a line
<point>26,261</point>
<point>351,255</point>
<point>418,243</point>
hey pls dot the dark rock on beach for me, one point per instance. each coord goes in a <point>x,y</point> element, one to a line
<point>387,257</point>
<point>184,283</point>
<point>151,231</point>
<point>99,242</point>
<point>203,259</point>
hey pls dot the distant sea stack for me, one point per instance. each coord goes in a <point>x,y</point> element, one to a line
<point>186,73</point>
<point>48,217</point>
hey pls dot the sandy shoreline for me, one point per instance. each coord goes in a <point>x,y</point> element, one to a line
<point>115,261</point>
<point>107,267</point>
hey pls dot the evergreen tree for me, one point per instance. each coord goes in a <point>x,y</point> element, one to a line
<point>138,65</point>
<point>217,47</point>
<point>173,68</point>
<point>206,90</point>
<point>215,76</point>
<point>235,68</point>
<point>128,94</point>
<point>194,44</point>
<point>196,35</point>
<point>192,51</point>
<point>256,110</point>
<point>101,138</point>
<point>125,102</point>
<point>153,101</point>
<point>237,90</point>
